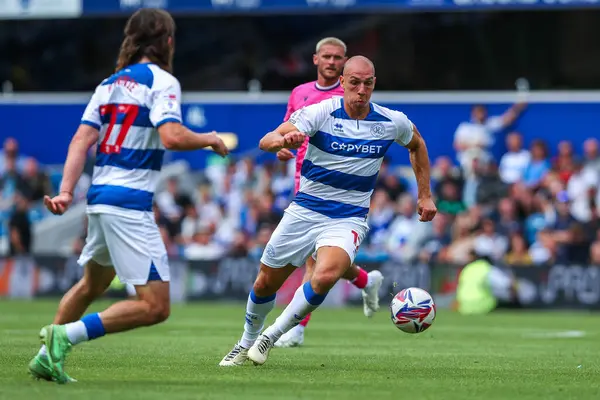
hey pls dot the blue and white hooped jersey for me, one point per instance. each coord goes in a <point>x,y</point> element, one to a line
<point>127,108</point>
<point>344,155</point>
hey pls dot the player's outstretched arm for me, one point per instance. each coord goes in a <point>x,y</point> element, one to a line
<point>419,159</point>
<point>285,136</point>
<point>85,137</point>
<point>175,136</point>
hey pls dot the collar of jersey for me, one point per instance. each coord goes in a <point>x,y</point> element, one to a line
<point>328,88</point>
<point>342,114</point>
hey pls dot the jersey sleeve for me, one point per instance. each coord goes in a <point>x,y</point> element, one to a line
<point>310,118</point>
<point>404,128</point>
<point>166,102</point>
<point>91,115</point>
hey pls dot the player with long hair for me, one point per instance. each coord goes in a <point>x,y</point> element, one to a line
<point>133,116</point>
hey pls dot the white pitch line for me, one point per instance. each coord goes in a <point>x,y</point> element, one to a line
<point>555,335</point>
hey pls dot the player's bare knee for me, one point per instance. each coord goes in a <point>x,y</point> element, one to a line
<point>323,281</point>
<point>264,286</point>
<point>160,312</point>
<point>90,289</point>
<point>156,297</point>
<point>156,312</point>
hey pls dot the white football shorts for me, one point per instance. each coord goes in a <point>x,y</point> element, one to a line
<point>132,246</point>
<point>295,239</point>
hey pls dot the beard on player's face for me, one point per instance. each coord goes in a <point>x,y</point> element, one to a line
<point>330,73</point>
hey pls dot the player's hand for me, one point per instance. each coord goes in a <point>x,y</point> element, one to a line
<point>426,209</point>
<point>218,145</point>
<point>293,140</point>
<point>284,155</point>
<point>58,204</point>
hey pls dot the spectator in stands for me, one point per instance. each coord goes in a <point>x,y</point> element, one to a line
<point>10,151</point>
<point>538,166</point>
<point>245,175</point>
<point>595,254</point>
<point>542,215</point>
<point>449,199</point>
<point>444,172</point>
<point>544,250</point>
<point>517,254</point>
<point>258,245</point>
<point>514,162</point>
<point>591,154</point>
<point>282,186</point>
<point>189,224</point>
<point>166,200</point>
<point>11,182</point>
<point>206,206</point>
<point>506,217</point>
<point>162,223</point>
<point>20,227</point>
<point>490,189</point>
<point>171,203</point>
<point>561,229</point>
<point>403,229</point>
<point>581,189</point>
<point>433,247</point>
<point>389,181</point>
<point>471,184</point>
<point>203,246</point>
<point>381,215</point>
<point>267,213</point>
<point>592,227</point>
<point>239,245</point>
<point>474,138</point>
<point>462,243</point>
<point>489,238</point>
<point>37,180</point>
<point>564,162</point>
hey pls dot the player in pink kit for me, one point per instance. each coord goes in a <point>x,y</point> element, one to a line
<point>329,58</point>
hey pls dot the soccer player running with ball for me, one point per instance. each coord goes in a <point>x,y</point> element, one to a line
<point>132,117</point>
<point>348,138</point>
<point>329,57</point>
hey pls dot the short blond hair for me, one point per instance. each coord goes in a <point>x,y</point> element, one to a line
<point>332,41</point>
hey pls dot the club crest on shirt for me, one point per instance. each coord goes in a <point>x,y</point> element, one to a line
<point>377,130</point>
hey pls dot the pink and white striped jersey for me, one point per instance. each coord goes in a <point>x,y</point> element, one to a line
<point>305,95</point>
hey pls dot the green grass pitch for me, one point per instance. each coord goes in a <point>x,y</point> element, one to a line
<point>505,355</point>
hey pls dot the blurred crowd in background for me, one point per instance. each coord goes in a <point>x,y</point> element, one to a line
<point>531,206</point>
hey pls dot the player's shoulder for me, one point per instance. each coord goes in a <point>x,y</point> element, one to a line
<point>389,114</point>
<point>145,74</point>
<point>328,105</point>
<point>304,87</point>
<point>162,78</point>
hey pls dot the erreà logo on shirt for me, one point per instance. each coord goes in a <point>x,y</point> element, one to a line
<point>356,148</point>
<point>338,128</point>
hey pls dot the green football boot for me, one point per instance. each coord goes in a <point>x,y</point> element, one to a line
<point>57,347</point>
<point>39,368</point>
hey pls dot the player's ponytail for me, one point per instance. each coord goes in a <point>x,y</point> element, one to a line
<point>147,34</point>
